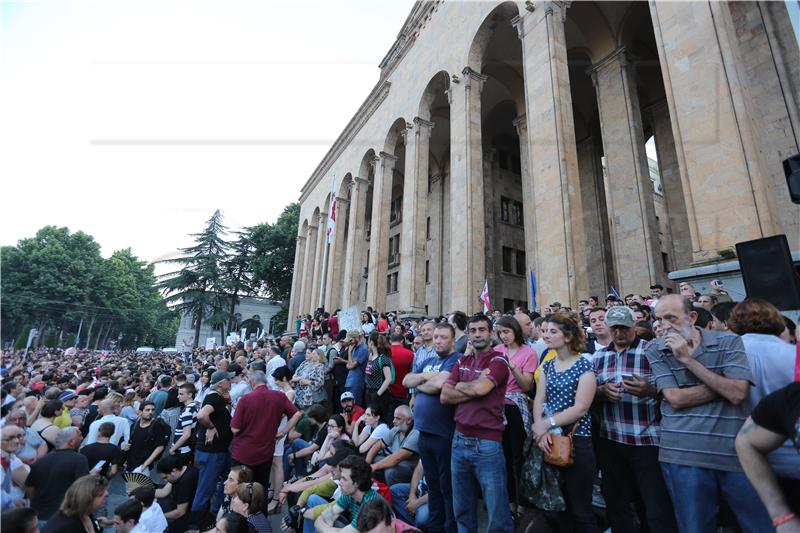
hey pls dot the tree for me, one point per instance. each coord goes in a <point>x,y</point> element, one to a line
<point>273,258</point>
<point>193,289</point>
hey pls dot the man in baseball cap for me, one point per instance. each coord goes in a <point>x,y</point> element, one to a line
<point>620,316</point>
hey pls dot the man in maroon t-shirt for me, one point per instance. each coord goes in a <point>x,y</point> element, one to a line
<point>333,325</point>
<point>402,359</point>
<point>477,387</point>
<point>255,426</point>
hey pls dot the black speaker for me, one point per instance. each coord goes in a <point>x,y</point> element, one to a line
<point>791,167</point>
<point>768,271</point>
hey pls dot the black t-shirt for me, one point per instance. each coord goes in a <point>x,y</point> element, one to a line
<point>51,476</point>
<point>183,490</point>
<point>89,416</point>
<point>221,419</point>
<point>102,451</point>
<point>145,440</point>
<point>172,398</point>
<point>322,434</point>
<point>779,412</point>
<point>60,523</point>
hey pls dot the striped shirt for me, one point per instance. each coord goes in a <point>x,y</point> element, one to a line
<point>704,435</point>
<point>633,420</point>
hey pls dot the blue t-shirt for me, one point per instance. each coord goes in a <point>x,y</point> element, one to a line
<point>430,415</point>
<point>355,377</point>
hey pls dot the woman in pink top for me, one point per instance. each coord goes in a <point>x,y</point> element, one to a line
<point>522,365</point>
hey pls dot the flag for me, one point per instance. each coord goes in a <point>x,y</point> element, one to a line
<point>332,213</point>
<point>616,294</point>
<point>485,296</point>
<point>533,292</point>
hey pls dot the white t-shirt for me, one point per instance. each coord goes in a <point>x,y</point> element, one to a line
<point>273,364</point>
<point>152,519</point>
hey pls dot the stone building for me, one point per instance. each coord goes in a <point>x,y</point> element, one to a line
<point>250,310</point>
<point>508,138</point>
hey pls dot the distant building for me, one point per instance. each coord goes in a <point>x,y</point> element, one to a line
<point>249,308</point>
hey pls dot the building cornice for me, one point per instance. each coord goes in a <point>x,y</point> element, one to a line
<point>420,14</point>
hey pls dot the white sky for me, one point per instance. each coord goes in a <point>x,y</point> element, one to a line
<point>134,120</point>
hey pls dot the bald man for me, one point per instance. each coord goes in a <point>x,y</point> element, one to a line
<point>108,410</point>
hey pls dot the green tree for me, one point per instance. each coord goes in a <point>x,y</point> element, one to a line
<point>273,258</point>
<point>193,288</point>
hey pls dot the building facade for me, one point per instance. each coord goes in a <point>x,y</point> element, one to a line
<point>249,308</point>
<point>504,139</point>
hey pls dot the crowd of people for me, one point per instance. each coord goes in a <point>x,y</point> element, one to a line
<point>664,412</point>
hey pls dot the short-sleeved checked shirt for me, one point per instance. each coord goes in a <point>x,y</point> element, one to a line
<point>633,420</point>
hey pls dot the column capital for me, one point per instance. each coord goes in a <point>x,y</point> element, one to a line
<point>313,227</point>
<point>384,156</point>
<point>521,124</point>
<point>301,237</point>
<point>405,131</point>
<point>619,56</point>
<point>473,77</point>
<point>421,123</point>
<point>342,201</point>
<point>357,181</point>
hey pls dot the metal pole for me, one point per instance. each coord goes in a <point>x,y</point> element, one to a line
<point>325,273</point>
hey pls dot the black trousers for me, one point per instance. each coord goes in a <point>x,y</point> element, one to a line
<point>513,442</point>
<point>578,480</point>
<point>632,473</point>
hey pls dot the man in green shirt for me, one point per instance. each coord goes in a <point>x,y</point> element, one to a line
<point>356,487</point>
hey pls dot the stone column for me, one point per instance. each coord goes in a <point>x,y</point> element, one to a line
<point>319,262</point>
<point>634,231</point>
<point>333,288</point>
<point>355,239</point>
<point>668,168</point>
<point>297,280</point>
<point>528,199</point>
<point>415,208</point>
<point>555,212</point>
<point>466,239</point>
<point>594,216</point>
<point>308,269</point>
<point>717,182</point>
<point>379,236</point>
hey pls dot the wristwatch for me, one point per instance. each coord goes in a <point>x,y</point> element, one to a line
<point>552,422</point>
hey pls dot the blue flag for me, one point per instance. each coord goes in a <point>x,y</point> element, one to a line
<point>533,292</point>
<point>616,294</point>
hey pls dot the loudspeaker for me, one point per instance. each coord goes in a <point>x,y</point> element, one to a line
<point>768,271</point>
<point>791,167</point>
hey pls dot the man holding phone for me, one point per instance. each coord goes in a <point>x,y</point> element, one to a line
<point>627,449</point>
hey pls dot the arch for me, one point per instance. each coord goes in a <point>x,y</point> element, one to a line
<point>504,11</point>
<point>304,228</point>
<point>437,86</point>
<point>588,27</point>
<point>315,217</point>
<point>393,137</point>
<point>343,189</point>
<point>365,168</point>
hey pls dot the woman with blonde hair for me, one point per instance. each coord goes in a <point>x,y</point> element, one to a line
<point>84,497</point>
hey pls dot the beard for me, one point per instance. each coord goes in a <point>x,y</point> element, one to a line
<point>480,344</point>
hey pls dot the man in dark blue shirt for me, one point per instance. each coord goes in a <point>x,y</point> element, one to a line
<point>356,362</point>
<point>435,423</point>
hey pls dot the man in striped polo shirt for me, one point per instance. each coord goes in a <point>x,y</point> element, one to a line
<point>627,448</point>
<point>704,378</point>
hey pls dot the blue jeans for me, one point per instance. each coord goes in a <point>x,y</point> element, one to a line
<point>300,464</point>
<point>358,392</point>
<point>434,451</point>
<point>214,469</point>
<point>313,501</point>
<point>694,496</point>
<point>478,465</point>
<point>400,494</point>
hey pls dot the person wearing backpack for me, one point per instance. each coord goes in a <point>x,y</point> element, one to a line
<point>149,438</point>
<point>379,372</point>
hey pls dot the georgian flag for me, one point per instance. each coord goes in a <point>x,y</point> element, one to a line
<point>332,213</point>
<point>485,296</point>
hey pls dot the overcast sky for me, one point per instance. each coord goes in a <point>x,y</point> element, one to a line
<point>134,120</point>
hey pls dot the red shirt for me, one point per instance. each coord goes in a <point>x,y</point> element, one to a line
<point>355,415</point>
<point>383,326</point>
<point>258,415</point>
<point>482,417</point>
<point>333,327</point>
<point>402,359</point>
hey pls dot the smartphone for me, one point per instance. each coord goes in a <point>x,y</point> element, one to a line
<point>627,377</point>
<point>99,465</point>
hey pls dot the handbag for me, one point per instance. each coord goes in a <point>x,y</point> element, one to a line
<point>561,451</point>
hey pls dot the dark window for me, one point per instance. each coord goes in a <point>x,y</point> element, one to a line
<point>504,208</point>
<point>427,271</point>
<point>428,228</point>
<point>508,259</point>
<point>520,262</point>
<point>513,261</point>
<point>516,166</point>
<point>395,211</point>
<point>511,211</point>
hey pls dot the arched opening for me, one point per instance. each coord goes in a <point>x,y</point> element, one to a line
<point>390,195</point>
<point>363,237</point>
<point>434,112</point>
<point>502,110</point>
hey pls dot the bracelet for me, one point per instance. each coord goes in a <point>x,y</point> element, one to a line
<point>783,519</point>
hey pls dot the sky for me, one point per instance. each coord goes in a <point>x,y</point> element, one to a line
<point>134,120</point>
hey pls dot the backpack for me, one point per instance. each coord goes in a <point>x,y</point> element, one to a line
<point>391,367</point>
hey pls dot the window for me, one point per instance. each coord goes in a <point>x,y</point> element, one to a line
<point>513,261</point>
<point>394,250</point>
<point>395,211</point>
<point>428,228</point>
<point>427,271</point>
<point>391,282</point>
<point>511,211</point>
